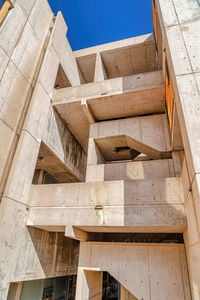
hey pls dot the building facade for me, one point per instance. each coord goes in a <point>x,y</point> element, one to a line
<point>99,159</point>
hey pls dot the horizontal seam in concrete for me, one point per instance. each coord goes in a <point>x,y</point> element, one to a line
<point>106,206</point>
<point>12,199</point>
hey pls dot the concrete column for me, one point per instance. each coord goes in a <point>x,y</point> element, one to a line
<point>94,155</point>
<point>89,285</point>
<point>100,71</point>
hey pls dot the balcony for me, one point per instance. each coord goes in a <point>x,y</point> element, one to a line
<point>145,205</point>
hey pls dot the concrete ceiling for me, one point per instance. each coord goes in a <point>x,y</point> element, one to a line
<point>53,166</point>
<point>87,66</point>
<point>121,58</point>
<point>130,60</point>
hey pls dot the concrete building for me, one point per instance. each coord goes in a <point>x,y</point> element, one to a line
<point>99,159</point>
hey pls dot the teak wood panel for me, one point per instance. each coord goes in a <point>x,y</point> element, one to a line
<point>6,6</point>
<point>169,92</point>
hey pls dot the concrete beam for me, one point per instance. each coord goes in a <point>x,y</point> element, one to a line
<point>120,61</point>
<point>149,169</point>
<point>76,233</point>
<point>134,41</point>
<point>139,205</point>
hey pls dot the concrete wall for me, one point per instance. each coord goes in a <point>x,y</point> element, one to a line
<point>20,59</point>
<point>180,23</point>
<point>141,205</point>
<point>25,74</point>
<point>45,254</point>
<point>131,170</point>
<point>147,271</point>
<point>29,61</point>
<point>61,141</point>
<point>148,135</point>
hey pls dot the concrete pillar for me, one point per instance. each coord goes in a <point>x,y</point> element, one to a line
<point>100,71</point>
<point>89,285</point>
<point>94,155</point>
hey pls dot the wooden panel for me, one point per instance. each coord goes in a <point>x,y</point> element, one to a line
<point>169,92</point>
<point>155,23</point>
<point>7,5</point>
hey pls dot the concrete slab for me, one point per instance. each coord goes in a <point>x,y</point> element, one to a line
<point>181,63</point>
<point>26,6</point>
<point>112,205</point>
<point>7,136</point>
<point>192,41</point>
<point>3,61</point>
<point>15,19</point>
<point>134,41</point>
<point>40,19</point>
<point>110,99</point>
<point>148,135</point>
<point>187,11</point>
<point>22,170</point>
<point>87,66</point>
<point>26,53</point>
<point>168,14</point>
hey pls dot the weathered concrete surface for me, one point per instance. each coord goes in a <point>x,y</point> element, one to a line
<point>140,204</point>
<point>148,135</point>
<point>58,138</point>
<point>45,254</point>
<point>147,271</point>
<point>19,60</point>
<point>29,66</point>
<point>13,206</point>
<point>62,171</point>
<point>180,21</point>
<point>149,169</point>
<point>119,57</point>
<point>110,99</point>
<point>90,285</point>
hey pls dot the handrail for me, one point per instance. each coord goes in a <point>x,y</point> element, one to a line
<point>3,11</point>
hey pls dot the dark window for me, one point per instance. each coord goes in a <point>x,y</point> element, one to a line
<point>111,287</point>
<point>167,72</point>
<point>48,179</point>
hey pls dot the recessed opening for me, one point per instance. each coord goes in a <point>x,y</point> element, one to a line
<point>111,287</point>
<point>50,169</point>
<point>62,80</point>
<point>137,237</point>
<point>86,66</point>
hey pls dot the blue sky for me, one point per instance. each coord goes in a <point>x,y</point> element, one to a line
<point>95,22</point>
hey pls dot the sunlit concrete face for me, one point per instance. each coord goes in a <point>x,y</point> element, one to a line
<point>116,129</point>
